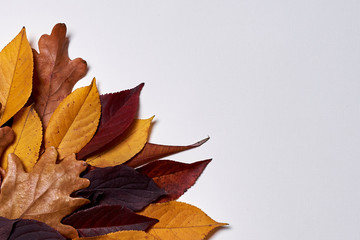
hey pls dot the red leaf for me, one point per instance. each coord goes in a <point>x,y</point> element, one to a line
<point>174,177</point>
<point>153,152</point>
<point>118,111</point>
<point>101,220</point>
<point>120,185</point>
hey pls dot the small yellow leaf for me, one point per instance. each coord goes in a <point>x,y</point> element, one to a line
<point>180,221</point>
<point>74,121</point>
<point>16,70</point>
<point>28,136</point>
<point>123,235</point>
<point>131,142</point>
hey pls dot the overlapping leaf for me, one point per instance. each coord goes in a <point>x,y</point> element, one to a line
<point>7,136</point>
<point>120,185</point>
<point>174,177</point>
<point>123,235</point>
<point>118,112</point>
<point>54,73</point>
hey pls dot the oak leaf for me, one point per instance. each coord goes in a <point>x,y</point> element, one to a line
<point>43,193</point>
<point>174,177</point>
<point>75,121</point>
<point>125,147</point>
<point>153,152</point>
<point>180,221</point>
<point>16,71</point>
<point>118,111</point>
<point>123,235</point>
<point>55,74</point>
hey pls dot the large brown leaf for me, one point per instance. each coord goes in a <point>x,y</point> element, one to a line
<point>54,73</point>
<point>7,136</point>
<point>43,193</point>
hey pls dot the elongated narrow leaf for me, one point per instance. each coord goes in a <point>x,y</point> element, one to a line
<point>16,71</point>
<point>122,235</point>
<point>101,220</point>
<point>75,121</point>
<point>120,185</point>
<point>153,152</point>
<point>118,112</point>
<point>179,221</point>
<point>54,73</point>
<point>28,132</point>
<point>122,149</point>
<point>174,177</point>
<point>7,136</point>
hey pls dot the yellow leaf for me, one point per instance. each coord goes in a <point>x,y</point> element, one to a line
<point>74,121</point>
<point>123,235</point>
<point>16,69</point>
<point>28,136</point>
<point>180,221</point>
<point>131,142</point>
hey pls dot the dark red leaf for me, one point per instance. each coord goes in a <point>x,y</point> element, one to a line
<point>25,229</point>
<point>120,185</point>
<point>174,177</point>
<point>153,152</point>
<point>118,111</point>
<point>101,220</point>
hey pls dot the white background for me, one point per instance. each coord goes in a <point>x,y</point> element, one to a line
<point>274,83</point>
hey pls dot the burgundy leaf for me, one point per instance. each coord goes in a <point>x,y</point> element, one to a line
<point>153,152</point>
<point>118,111</point>
<point>101,220</point>
<point>120,185</point>
<point>174,177</point>
<point>6,226</point>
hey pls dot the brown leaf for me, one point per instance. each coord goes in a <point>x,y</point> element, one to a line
<point>6,138</point>
<point>54,73</point>
<point>43,193</point>
<point>153,152</point>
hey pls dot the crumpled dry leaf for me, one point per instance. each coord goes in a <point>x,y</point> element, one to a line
<point>43,193</point>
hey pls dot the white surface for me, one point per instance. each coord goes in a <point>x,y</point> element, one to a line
<point>274,83</point>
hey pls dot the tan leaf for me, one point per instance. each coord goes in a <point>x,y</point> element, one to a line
<point>6,138</point>
<point>180,221</point>
<point>75,121</point>
<point>43,193</point>
<point>123,235</point>
<point>28,137</point>
<point>16,70</point>
<point>130,143</point>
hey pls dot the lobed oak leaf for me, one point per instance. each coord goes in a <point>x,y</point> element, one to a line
<point>104,219</point>
<point>174,177</point>
<point>43,193</point>
<point>120,185</point>
<point>180,221</point>
<point>16,71</point>
<point>118,112</point>
<point>55,74</point>
<point>75,121</point>
<point>123,235</point>
<point>125,147</point>
<point>153,152</point>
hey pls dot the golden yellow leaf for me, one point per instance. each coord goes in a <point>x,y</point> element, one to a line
<point>123,235</point>
<point>74,121</point>
<point>179,221</point>
<point>16,70</point>
<point>28,137</point>
<point>131,142</point>
<point>43,193</point>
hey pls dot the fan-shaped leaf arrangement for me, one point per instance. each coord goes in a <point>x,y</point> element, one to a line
<point>77,164</point>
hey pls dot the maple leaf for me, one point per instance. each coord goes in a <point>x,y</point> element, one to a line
<point>54,73</point>
<point>43,193</point>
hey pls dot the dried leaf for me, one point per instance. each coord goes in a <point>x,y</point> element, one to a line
<point>6,138</point>
<point>118,112</point>
<point>153,152</point>
<point>174,177</point>
<point>28,132</point>
<point>54,73</point>
<point>16,70</point>
<point>101,220</point>
<point>43,194</point>
<point>179,221</point>
<point>75,121</point>
<point>123,235</point>
<point>120,185</point>
<point>121,150</point>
